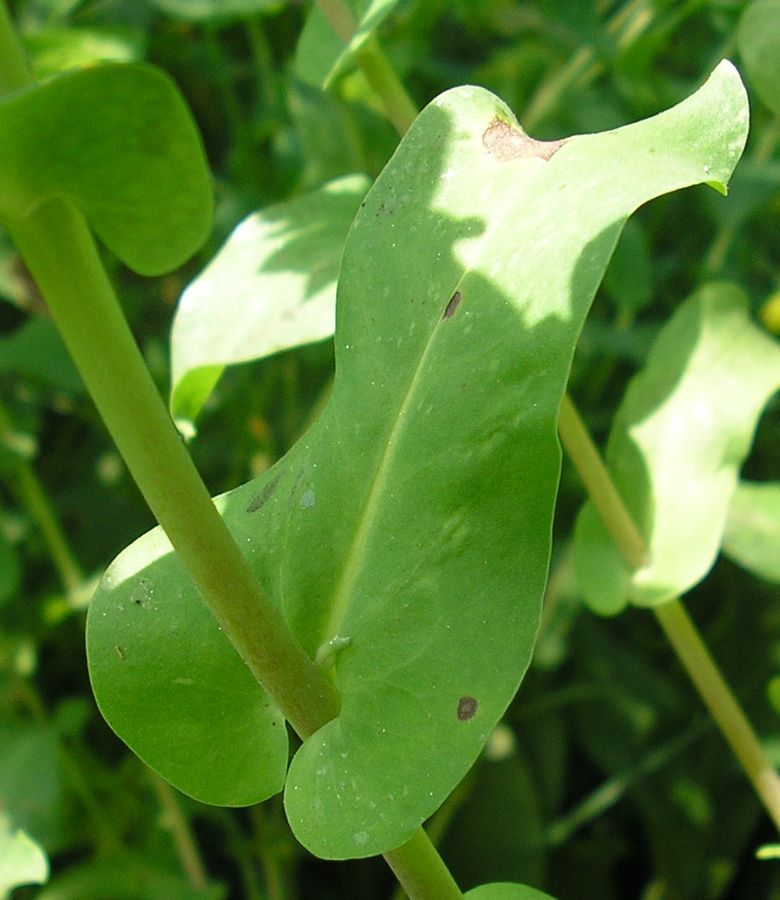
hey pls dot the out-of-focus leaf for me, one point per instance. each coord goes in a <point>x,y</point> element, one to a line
<point>758,39</point>
<point>10,570</point>
<point>750,190</point>
<point>321,53</point>
<point>678,440</point>
<point>271,287</point>
<point>118,141</point>
<point>124,877</point>
<point>216,10</point>
<point>752,536</point>
<point>31,785</point>
<point>22,861</point>
<point>506,794</point>
<point>629,278</point>
<point>36,351</point>
<point>55,50</point>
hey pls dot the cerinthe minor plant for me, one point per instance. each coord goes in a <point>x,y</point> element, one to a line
<point>379,587</point>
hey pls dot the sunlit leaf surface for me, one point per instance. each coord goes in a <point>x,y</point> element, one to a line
<point>271,287</point>
<point>677,443</point>
<point>407,535</point>
<point>118,141</point>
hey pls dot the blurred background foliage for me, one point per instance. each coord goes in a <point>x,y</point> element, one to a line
<point>607,780</point>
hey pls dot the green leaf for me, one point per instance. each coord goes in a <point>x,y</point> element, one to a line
<point>506,891</point>
<point>31,783</point>
<point>216,10</point>
<point>22,861</point>
<point>10,570</point>
<point>53,50</point>
<point>406,536</point>
<point>271,287</point>
<point>629,279</point>
<point>170,709</point>
<point>504,792</point>
<point>125,876</point>
<point>321,54</point>
<point>752,536</point>
<point>120,143</point>
<point>758,39</point>
<point>35,350</point>
<point>678,440</point>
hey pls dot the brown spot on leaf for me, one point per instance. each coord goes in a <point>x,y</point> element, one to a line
<point>505,142</point>
<point>264,496</point>
<point>452,305</point>
<point>467,706</point>
<point>120,652</point>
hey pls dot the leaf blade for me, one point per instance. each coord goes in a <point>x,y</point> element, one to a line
<point>679,437</point>
<point>409,530</point>
<point>271,287</point>
<point>119,142</point>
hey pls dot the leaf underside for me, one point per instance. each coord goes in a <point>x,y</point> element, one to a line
<point>119,142</point>
<point>275,277</point>
<point>321,54</point>
<point>758,40</point>
<point>752,535</point>
<point>678,440</point>
<point>409,530</point>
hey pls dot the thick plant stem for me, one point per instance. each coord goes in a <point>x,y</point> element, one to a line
<point>420,870</point>
<point>726,711</point>
<point>61,255</point>
<point>673,618</point>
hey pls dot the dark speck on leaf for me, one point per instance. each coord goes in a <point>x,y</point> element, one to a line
<point>467,706</point>
<point>452,305</point>
<point>263,497</point>
<point>505,142</point>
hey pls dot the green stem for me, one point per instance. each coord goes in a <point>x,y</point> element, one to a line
<point>553,88</point>
<point>399,108</point>
<point>265,69</point>
<point>30,491</point>
<point>176,822</point>
<point>34,498</point>
<point>726,711</point>
<point>340,18</point>
<point>678,626</point>
<point>61,255</point>
<point>274,864</point>
<point>600,486</point>
<point>420,870</point>
<point>14,73</point>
